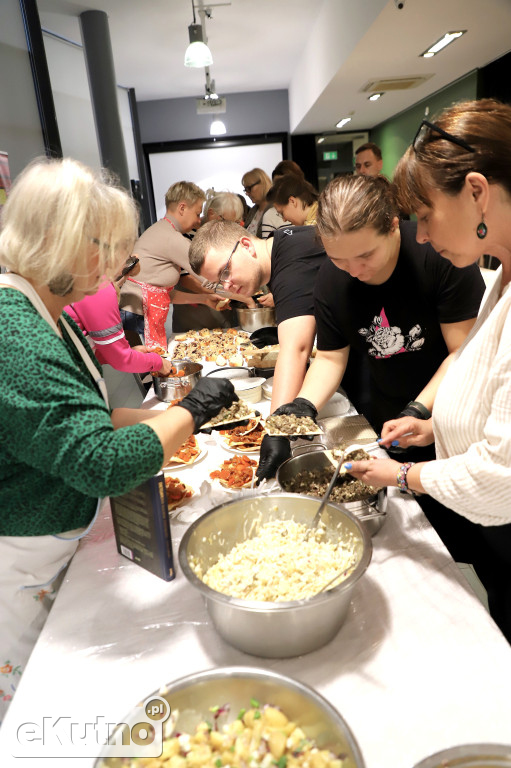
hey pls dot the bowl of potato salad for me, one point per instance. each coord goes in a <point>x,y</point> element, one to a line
<point>245,716</point>
<point>271,589</point>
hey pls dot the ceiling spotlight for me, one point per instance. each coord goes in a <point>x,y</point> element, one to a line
<point>342,122</point>
<point>448,38</point>
<point>321,140</point>
<point>375,96</point>
<point>197,54</point>
<point>217,128</point>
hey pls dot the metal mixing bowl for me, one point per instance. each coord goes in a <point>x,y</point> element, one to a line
<point>169,388</point>
<point>252,319</point>
<point>470,756</point>
<point>272,629</point>
<point>196,694</point>
<point>371,512</point>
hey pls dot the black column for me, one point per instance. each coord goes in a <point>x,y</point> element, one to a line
<point>103,89</point>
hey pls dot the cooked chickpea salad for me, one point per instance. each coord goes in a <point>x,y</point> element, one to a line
<point>260,737</point>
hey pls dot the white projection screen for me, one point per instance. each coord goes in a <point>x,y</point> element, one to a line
<point>218,168</point>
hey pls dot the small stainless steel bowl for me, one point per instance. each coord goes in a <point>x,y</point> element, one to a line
<point>371,512</point>
<point>195,695</point>
<point>470,756</point>
<point>169,388</point>
<point>252,319</point>
<point>272,629</point>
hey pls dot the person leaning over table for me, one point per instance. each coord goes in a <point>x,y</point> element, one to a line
<point>61,448</point>
<point>295,199</point>
<point>99,318</point>
<point>456,177</point>
<point>163,253</point>
<point>262,219</point>
<point>381,294</point>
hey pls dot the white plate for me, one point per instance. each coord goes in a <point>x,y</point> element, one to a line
<point>173,467</point>
<point>219,487</point>
<point>223,444</point>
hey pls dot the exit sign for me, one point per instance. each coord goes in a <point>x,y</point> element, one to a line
<point>330,155</point>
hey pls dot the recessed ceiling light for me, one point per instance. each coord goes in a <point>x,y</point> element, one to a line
<point>321,140</point>
<point>375,96</point>
<point>342,122</point>
<point>449,37</point>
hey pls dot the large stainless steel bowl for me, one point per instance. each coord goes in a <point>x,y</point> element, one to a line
<point>272,629</point>
<point>470,756</point>
<point>169,388</point>
<point>194,696</point>
<point>252,319</point>
<point>371,512</point>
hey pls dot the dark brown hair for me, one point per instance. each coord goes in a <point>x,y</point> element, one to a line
<point>292,186</point>
<point>373,147</point>
<point>285,167</point>
<point>437,163</point>
<point>350,203</point>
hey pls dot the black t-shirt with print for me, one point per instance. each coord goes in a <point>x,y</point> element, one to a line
<point>296,257</point>
<point>396,325</point>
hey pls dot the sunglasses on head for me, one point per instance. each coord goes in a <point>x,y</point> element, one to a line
<point>426,125</point>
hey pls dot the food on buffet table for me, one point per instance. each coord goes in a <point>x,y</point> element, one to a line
<point>177,492</point>
<point>347,488</point>
<point>260,736</point>
<point>238,411</point>
<point>279,564</point>
<point>244,438</point>
<point>187,453</point>
<point>223,347</point>
<point>286,424</point>
<point>235,473</point>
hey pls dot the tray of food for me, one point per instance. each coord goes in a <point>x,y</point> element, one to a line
<point>178,493</point>
<point>235,473</point>
<point>289,425</point>
<point>221,346</point>
<point>189,453</point>
<point>243,439</point>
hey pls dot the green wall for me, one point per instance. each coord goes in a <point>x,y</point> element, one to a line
<point>394,136</point>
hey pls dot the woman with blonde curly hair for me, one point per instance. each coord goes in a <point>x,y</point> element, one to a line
<point>64,230</point>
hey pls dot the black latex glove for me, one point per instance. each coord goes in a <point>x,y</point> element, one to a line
<point>207,398</point>
<point>299,407</point>
<point>274,451</point>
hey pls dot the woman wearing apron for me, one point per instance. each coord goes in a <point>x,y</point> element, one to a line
<point>64,228</point>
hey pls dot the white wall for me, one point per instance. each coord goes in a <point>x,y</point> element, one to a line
<point>220,168</point>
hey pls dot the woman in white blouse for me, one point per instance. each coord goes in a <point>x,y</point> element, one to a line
<point>456,177</point>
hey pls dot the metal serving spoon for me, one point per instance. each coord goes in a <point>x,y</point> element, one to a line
<point>317,517</point>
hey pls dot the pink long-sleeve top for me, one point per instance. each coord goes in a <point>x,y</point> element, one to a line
<point>99,317</point>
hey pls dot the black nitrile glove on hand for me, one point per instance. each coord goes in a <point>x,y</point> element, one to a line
<point>299,407</point>
<point>207,398</point>
<point>274,451</point>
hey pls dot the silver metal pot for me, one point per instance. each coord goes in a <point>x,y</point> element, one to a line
<point>252,319</point>
<point>196,696</point>
<point>470,756</point>
<point>169,388</point>
<point>272,629</point>
<point>371,512</point>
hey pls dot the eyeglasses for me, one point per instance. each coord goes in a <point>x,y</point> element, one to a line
<point>130,264</point>
<point>225,272</point>
<point>421,133</point>
<point>249,187</point>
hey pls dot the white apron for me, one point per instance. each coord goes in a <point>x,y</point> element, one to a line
<point>32,567</point>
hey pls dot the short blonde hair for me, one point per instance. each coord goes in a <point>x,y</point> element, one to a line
<point>257,175</point>
<point>184,192</point>
<point>55,210</point>
<point>225,204</point>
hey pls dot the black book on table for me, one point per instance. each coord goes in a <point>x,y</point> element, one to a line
<point>142,527</point>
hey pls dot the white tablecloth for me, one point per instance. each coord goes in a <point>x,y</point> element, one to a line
<point>418,665</point>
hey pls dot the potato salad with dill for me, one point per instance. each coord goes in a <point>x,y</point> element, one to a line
<point>260,737</point>
<point>277,564</point>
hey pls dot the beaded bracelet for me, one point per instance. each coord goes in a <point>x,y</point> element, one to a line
<point>402,474</point>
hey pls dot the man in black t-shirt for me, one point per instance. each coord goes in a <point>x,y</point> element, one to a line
<point>227,255</point>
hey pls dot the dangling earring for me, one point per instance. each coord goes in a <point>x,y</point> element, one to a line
<point>482,229</point>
